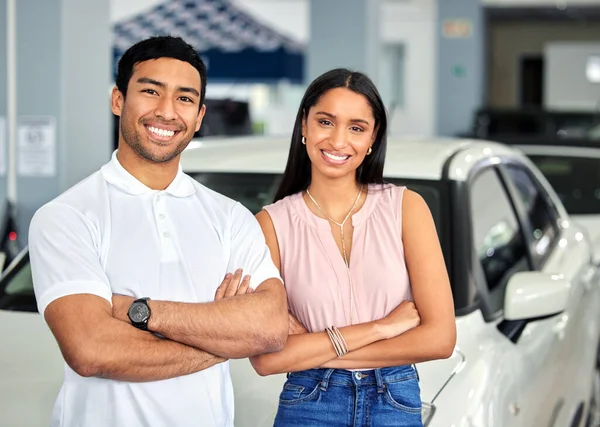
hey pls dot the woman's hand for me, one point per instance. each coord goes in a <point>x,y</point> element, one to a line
<point>401,319</point>
<point>295,327</point>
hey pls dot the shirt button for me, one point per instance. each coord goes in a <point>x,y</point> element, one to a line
<point>161,216</point>
<point>166,234</point>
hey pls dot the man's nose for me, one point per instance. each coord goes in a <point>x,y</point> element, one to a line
<point>166,109</point>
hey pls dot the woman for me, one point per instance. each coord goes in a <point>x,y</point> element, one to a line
<point>354,253</point>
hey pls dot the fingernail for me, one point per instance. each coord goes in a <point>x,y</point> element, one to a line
<point>239,271</point>
<point>228,276</point>
<point>246,277</point>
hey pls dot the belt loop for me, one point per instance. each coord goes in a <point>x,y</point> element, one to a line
<point>325,380</point>
<point>416,372</point>
<point>379,378</point>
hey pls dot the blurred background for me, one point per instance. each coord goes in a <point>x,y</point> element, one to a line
<point>520,72</point>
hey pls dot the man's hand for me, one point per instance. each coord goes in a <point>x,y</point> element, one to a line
<point>232,285</point>
<point>295,327</point>
<point>120,306</point>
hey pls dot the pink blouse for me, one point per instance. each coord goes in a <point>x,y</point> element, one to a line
<point>313,269</point>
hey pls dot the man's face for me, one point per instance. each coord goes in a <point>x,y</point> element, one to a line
<point>160,112</point>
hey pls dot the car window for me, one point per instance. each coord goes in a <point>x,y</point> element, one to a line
<point>16,286</point>
<point>253,190</point>
<point>497,236</point>
<point>576,180</point>
<point>541,217</point>
<point>21,283</point>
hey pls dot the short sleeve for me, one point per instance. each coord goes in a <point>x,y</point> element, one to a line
<point>249,250</point>
<point>64,255</point>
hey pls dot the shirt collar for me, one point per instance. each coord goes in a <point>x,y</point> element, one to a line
<point>114,173</point>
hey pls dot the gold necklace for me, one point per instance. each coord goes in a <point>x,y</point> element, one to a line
<point>344,253</point>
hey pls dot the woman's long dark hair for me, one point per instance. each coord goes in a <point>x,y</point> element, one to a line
<point>297,173</point>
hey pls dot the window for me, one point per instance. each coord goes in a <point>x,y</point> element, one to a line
<point>540,215</point>
<point>253,190</point>
<point>16,287</point>
<point>497,236</point>
<point>576,181</point>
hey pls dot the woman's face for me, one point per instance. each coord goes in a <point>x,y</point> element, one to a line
<point>339,131</point>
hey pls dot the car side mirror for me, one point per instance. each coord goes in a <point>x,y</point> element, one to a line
<point>533,294</point>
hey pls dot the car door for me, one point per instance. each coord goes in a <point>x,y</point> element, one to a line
<point>555,349</point>
<point>31,365</point>
<point>500,251</point>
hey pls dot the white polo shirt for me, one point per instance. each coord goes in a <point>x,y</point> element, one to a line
<point>112,234</point>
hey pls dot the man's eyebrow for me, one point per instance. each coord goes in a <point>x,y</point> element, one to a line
<point>153,82</point>
<point>150,81</point>
<point>188,90</point>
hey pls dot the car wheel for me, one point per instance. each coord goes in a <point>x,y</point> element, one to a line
<point>593,419</point>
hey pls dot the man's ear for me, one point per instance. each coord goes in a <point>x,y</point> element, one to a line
<point>116,101</point>
<point>200,117</point>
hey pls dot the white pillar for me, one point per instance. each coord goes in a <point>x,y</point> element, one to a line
<point>344,33</point>
<point>63,66</point>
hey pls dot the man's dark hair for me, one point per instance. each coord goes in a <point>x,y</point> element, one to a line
<point>155,48</point>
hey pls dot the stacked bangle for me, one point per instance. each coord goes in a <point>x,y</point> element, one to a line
<point>338,341</point>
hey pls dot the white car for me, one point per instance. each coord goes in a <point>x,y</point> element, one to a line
<point>526,291</point>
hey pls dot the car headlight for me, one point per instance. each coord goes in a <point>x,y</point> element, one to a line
<point>427,411</point>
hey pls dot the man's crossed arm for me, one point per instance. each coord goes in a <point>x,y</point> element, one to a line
<point>237,324</point>
<point>99,342</point>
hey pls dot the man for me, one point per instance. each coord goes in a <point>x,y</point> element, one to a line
<point>140,227</point>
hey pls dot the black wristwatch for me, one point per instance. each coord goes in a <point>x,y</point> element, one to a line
<point>139,313</point>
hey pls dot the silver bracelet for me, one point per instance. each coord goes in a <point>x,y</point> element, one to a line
<point>338,341</point>
<point>334,340</point>
<point>341,338</point>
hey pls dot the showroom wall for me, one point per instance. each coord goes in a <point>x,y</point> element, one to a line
<point>511,41</point>
<point>579,65</point>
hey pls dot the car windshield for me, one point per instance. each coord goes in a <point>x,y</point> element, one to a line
<point>255,190</point>
<point>576,180</point>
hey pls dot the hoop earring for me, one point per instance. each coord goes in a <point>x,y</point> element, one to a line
<point>369,151</point>
<point>303,140</point>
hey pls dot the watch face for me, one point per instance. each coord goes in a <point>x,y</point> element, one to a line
<point>139,312</point>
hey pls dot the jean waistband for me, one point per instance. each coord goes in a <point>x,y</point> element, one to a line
<point>373,377</point>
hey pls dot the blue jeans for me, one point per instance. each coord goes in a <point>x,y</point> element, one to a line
<point>336,397</point>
